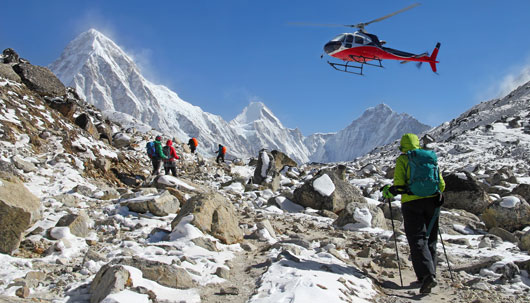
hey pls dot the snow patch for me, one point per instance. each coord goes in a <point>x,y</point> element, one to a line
<point>324,185</point>
<point>510,202</point>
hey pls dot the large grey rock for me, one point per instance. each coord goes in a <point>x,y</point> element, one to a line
<point>462,191</point>
<point>109,279</point>
<point>522,190</point>
<point>159,205</point>
<point>356,213</point>
<point>7,72</point>
<point>40,79</point>
<point>18,210</point>
<point>120,140</point>
<point>78,224</point>
<point>308,196</point>
<point>22,164</point>
<point>212,214</point>
<point>266,173</point>
<point>164,274</point>
<point>511,213</point>
<point>525,242</point>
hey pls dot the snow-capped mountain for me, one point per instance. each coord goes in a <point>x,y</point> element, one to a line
<point>262,129</point>
<point>104,75</point>
<point>377,126</point>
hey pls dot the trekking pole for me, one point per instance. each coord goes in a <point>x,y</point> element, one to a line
<point>446,258</point>
<point>395,242</point>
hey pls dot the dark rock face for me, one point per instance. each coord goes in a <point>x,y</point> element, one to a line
<point>40,79</point>
<point>344,192</point>
<point>66,107</point>
<point>462,191</point>
<point>10,56</point>
<point>85,123</point>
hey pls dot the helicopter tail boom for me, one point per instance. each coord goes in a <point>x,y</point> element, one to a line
<point>432,60</point>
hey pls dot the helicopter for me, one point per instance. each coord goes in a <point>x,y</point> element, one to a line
<point>362,48</point>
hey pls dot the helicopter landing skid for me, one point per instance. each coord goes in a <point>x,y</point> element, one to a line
<point>357,69</point>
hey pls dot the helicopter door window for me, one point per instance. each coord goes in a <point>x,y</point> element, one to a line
<point>348,41</point>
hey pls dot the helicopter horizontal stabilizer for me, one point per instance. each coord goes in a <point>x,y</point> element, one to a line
<point>433,61</point>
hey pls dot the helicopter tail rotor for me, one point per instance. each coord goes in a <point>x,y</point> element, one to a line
<point>432,60</point>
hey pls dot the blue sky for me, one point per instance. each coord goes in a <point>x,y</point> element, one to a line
<point>220,55</point>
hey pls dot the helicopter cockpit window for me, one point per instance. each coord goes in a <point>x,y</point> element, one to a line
<point>339,38</point>
<point>359,40</point>
<point>348,41</point>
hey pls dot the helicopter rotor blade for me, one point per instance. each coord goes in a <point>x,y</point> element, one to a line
<point>361,25</point>
<point>315,24</point>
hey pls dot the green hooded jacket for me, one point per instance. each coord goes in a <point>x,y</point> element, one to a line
<point>402,171</point>
<point>158,150</point>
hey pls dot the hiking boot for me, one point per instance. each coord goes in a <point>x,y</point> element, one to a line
<point>428,283</point>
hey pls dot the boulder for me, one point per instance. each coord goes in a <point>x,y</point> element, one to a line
<point>511,213</point>
<point>22,164</point>
<point>67,107</point>
<point>7,72</point>
<point>462,191</point>
<point>159,205</point>
<point>104,132</point>
<point>85,122</point>
<point>522,190</point>
<point>524,244</point>
<point>329,190</point>
<point>109,279</point>
<point>18,210</point>
<point>265,172</point>
<point>162,273</point>
<point>281,160</point>
<point>78,224</point>
<point>120,140</point>
<point>10,56</point>
<point>40,79</point>
<point>361,215</point>
<point>212,214</point>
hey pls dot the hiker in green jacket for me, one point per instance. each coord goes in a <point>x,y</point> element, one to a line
<point>418,212</point>
<point>159,155</point>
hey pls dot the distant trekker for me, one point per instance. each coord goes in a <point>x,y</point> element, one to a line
<point>221,154</point>
<point>170,164</point>
<point>419,181</point>
<point>193,144</point>
<point>155,153</point>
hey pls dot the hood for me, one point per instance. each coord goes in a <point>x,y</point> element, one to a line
<point>409,142</point>
<point>169,143</point>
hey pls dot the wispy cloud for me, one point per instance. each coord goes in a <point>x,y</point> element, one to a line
<point>515,79</point>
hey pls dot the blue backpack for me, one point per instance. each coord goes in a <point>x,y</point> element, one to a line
<point>424,173</point>
<point>150,147</point>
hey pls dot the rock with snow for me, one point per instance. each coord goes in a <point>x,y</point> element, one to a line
<point>266,173</point>
<point>77,223</point>
<point>212,214</point>
<point>22,164</point>
<point>159,205</point>
<point>462,191</point>
<point>511,213</point>
<point>7,72</point>
<point>67,107</point>
<point>522,190</point>
<point>162,273</point>
<point>109,279</point>
<point>40,79</point>
<point>120,140</point>
<point>10,56</point>
<point>360,215</point>
<point>335,192</point>
<point>85,122</point>
<point>18,210</point>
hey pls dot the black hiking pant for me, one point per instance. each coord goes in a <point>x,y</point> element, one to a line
<point>156,164</point>
<point>220,157</point>
<point>417,215</point>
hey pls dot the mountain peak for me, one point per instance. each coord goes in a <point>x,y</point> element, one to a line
<point>255,111</point>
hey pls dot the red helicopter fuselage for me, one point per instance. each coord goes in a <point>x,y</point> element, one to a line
<point>362,47</point>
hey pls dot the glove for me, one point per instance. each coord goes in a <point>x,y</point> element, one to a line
<point>387,193</point>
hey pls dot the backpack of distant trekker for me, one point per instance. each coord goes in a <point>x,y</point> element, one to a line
<point>223,150</point>
<point>424,173</point>
<point>150,147</point>
<point>195,142</point>
<point>167,152</point>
